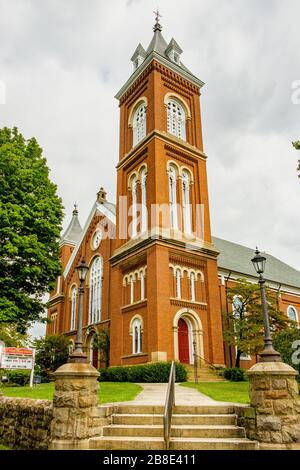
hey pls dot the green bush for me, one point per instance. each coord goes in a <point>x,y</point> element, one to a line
<point>145,373</point>
<point>17,377</point>
<point>234,374</point>
<point>283,342</point>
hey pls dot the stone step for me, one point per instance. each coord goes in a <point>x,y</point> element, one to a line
<point>207,431</point>
<point>178,409</point>
<point>157,443</point>
<point>177,419</point>
<point>128,443</point>
<point>212,444</point>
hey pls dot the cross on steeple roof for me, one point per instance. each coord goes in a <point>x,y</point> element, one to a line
<point>157,26</point>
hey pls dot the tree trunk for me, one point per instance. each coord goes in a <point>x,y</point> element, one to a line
<point>237,358</point>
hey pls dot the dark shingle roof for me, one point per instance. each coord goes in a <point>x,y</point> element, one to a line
<point>237,258</point>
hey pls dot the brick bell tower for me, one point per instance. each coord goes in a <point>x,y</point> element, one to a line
<point>164,287</point>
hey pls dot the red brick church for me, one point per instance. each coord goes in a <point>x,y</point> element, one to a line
<point>157,278</point>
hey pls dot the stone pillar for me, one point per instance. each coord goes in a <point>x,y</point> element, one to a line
<point>274,395</point>
<point>76,416</point>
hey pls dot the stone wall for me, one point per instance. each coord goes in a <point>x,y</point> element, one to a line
<point>274,413</point>
<point>25,423</point>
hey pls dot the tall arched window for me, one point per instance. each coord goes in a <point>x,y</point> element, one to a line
<point>73,308</point>
<point>95,291</point>
<point>176,119</point>
<point>173,197</point>
<point>144,199</point>
<point>178,284</point>
<point>136,336</point>
<point>139,124</point>
<point>142,278</point>
<point>292,314</point>
<point>192,287</point>
<point>186,205</point>
<point>134,206</point>
<point>132,290</point>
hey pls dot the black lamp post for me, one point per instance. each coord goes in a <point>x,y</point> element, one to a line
<point>268,354</point>
<point>78,355</point>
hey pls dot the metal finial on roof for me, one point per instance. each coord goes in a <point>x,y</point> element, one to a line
<point>75,211</point>
<point>157,26</point>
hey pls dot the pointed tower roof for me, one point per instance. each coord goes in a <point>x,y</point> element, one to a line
<point>158,43</point>
<point>73,231</point>
<point>159,49</point>
<point>139,52</point>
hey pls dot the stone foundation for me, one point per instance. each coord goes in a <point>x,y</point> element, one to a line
<point>76,415</point>
<point>274,413</point>
<point>25,423</point>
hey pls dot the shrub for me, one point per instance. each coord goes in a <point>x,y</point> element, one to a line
<point>234,374</point>
<point>17,377</point>
<point>145,373</point>
<point>283,342</point>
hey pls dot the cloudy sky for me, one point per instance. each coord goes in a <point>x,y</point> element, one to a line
<point>62,61</point>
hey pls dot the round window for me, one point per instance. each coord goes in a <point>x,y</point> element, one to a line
<point>97,237</point>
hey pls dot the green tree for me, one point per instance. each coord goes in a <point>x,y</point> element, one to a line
<point>244,324</point>
<point>102,342</point>
<point>284,342</point>
<point>30,223</point>
<point>11,337</point>
<point>51,353</point>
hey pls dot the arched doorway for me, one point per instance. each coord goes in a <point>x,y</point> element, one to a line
<point>183,342</point>
<point>188,336</point>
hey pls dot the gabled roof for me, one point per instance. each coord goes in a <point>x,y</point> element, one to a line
<point>237,258</point>
<point>173,45</point>
<point>140,51</point>
<point>73,231</point>
<point>105,208</point>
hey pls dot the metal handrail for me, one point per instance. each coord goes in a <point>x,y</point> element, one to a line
<point>170,402</point>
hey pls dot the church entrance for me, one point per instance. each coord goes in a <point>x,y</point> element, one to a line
<point>183,342</point>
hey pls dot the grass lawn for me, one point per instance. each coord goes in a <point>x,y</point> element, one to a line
<point>4,448</point>
<point>236,392</point>
<point>109,391</point>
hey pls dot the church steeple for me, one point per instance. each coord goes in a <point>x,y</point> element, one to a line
<point>74,229</point>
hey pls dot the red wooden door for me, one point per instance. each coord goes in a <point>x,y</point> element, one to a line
<point>183,342</point>
<point>95,358</point>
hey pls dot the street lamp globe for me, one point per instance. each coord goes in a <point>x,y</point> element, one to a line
<point>82,269</point>
<point>259,262</point>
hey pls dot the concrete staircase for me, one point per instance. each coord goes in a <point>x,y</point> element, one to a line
<point>140,427</point>
<point>205,373</point>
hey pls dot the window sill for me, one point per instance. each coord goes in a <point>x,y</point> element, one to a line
<point>130,356</point>
<point>138,304</point>
<point>175,301</point>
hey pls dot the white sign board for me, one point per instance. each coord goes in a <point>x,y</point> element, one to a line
<point>16,358</point>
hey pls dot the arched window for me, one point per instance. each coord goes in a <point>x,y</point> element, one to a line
<point>134,206</point>
<point>186,206</point>
<point>136,336</point>
<point>176,119</point>
<point>131,290</point>
<point>139,124</point>
<point>142,277</point>
<point>192,287</point>
<point>173,198</point>
<point>178,284</point>
<point>73,308</point>
<point>144,199</point>
<point>95,291</point>
<point>292,314</point>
